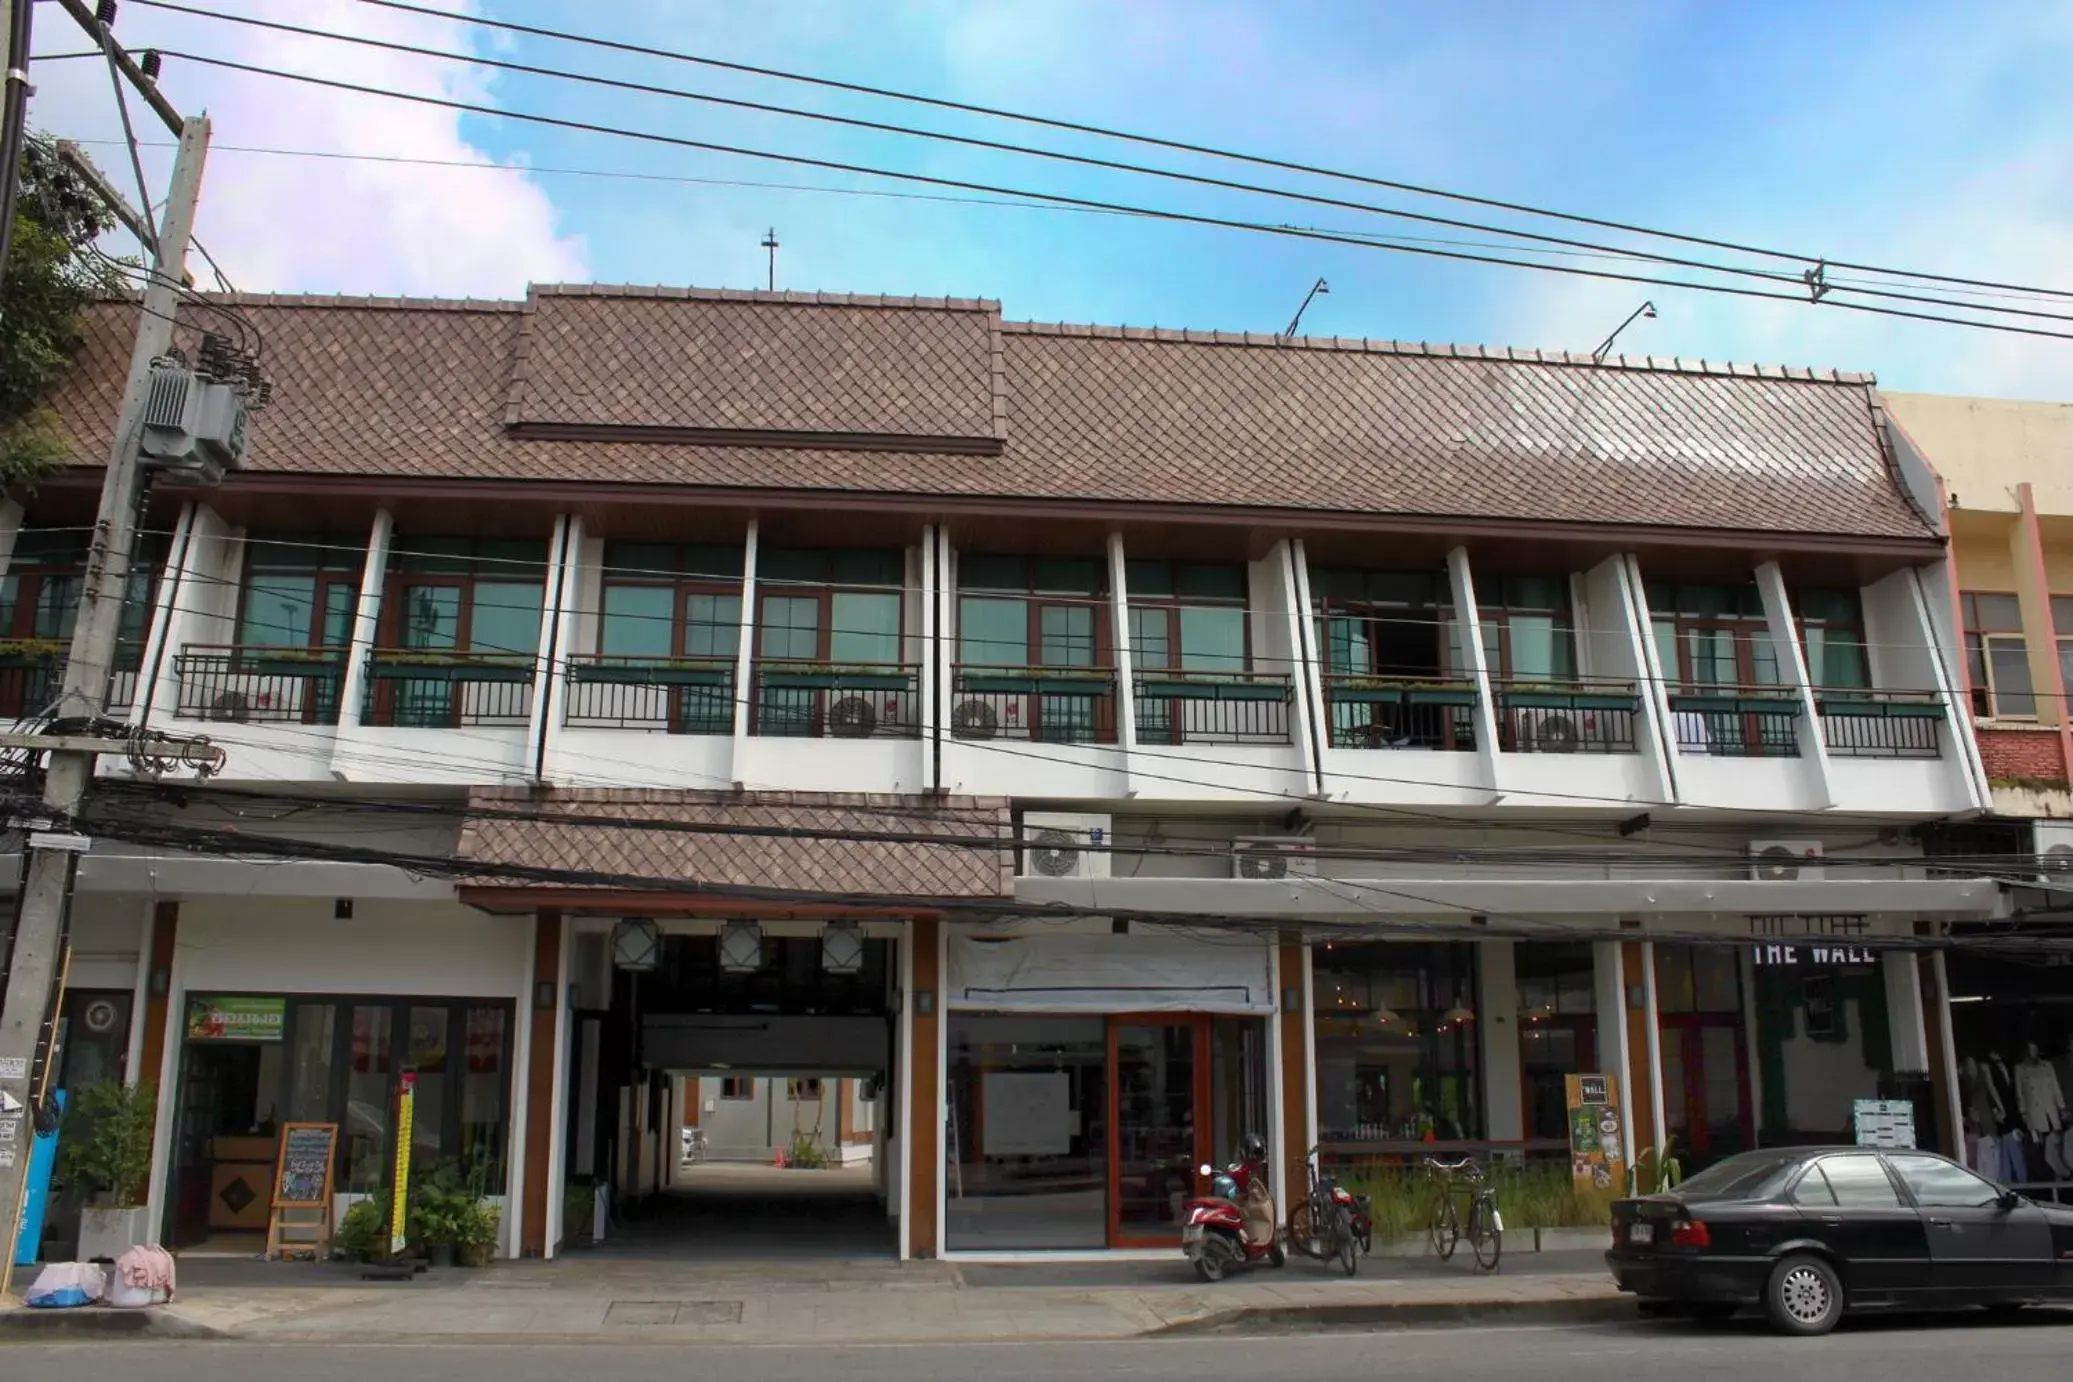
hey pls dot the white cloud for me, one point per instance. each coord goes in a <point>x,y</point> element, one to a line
<point>297,224</point>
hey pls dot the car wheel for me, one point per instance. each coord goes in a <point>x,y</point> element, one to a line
<point>1804,1297</point>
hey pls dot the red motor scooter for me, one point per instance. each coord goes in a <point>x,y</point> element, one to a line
<point>1235,1227</point>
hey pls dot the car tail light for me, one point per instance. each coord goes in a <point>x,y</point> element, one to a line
<point>1691,1233</point>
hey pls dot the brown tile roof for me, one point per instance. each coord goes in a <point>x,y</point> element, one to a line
<point>692,860</point>
<point>392,389</point>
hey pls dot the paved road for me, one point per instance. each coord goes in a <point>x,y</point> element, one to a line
<point>1892,1351</point>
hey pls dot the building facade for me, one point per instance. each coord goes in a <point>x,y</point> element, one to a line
<point>1089,744</point>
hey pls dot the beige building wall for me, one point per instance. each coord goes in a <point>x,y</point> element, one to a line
<point>1983,448</point>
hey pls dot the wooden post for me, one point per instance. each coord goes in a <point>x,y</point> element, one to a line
<point>540,1077</point>
<point>925,1096</point>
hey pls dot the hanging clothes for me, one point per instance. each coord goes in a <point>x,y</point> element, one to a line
<point>1987,1159</point>
<point>2038,1096</point>
<point>2015,1159</point>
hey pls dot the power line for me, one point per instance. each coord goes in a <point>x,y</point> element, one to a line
<point>1818,286</point>
<point>1179,146</point>
<point>1182,217</point>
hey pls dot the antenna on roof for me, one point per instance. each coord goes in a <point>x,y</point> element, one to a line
<point>1646,309</point>
<point>1297,320</point>
<point>770,243</point>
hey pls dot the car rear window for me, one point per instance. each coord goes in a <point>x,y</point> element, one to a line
<point>1859,1182</point>
<point>1749,1176</point>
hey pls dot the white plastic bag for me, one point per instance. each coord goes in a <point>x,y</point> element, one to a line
<point>63,1285</point>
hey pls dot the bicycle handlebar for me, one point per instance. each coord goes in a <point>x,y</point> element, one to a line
<point>1466,1166</point>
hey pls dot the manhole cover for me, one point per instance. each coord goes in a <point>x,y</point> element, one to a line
<point>635,1313</point>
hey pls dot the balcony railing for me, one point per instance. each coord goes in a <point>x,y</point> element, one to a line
<point>1397,713</point>
<point>805,700</point>
<point>239,684</point>
<point>1212,707</point>
<point>661,695</point>
<point>1050,705</point>
<point>1881,724</point>
<point>32,672</point>
<point>416,688</point>
<point>1567,717</point>
<point>1737,722</point>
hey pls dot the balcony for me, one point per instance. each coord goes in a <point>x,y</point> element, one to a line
<point>1567,717</point>
<point>659,695</point>
<point>1881,724</point>
<point>807,700</point>
<point>1737,722</point>
<point>1048,705</point>
<point>270,685</point>
<point>1397,713</point>
<point>1212,708</point>
<point>417,688</point>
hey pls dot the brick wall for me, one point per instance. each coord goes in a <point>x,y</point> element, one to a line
<point>2025,754</point>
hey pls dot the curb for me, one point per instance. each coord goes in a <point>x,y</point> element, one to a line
<point>101,1321</point>
<point>1265,1319</point>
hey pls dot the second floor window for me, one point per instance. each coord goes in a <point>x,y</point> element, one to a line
<point>1528,634</point>
<point>1831,633</point>
<point>830,605</point>
<point>39,598</point>
<point>1387,624</point>
<point>465,595</point>
<point>663,601</point>
<point>1188,617</point>
<point>1712,635</point>
<point>1997,656</point>
<point>1032,611</point>
<point>299,592</point>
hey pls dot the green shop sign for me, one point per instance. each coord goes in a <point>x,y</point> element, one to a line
<point>236,1019</point>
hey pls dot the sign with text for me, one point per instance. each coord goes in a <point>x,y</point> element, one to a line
<point>302,1176</point>
<point>399,1187</point>
<point>1883,1122</point>
<point>1597,1145</point>
<point>1816,956</point>
<point>236,1019</point>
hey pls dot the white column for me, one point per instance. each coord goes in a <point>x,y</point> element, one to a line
<point>1309,1048</point>
<point>520,1102</point>
<point>556,641</point>
<point>1752,1046</point>
<point>1655,1042</point>
<point>1119,629</point>
<point>167,1075</point>
<point>1905,1019</point>
<point>1792,672</point>
<point>1309,663</point>
<point>1497,1022</point>
<point>1953,1109</point>
<point>1620,578</point>
<point>928,710</point>
<point>1469,620</point>
<point>1948,649</point>
<point>157,682</point>
<point>745,651</point>
<point>1279,1155</point>
<point>1611,1003</point>
<point>366,619</point>
<point>140,992</point>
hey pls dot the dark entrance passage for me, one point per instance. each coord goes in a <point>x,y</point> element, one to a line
<point>747,1212</point>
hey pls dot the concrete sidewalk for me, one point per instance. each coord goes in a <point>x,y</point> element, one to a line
<point>876,1302</point>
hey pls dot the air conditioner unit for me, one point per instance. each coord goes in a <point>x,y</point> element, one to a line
<point>1785,861</point>
<point>2052,843</point>
<point>977,718</point>
<point>1551,731</point>
<point>853,717</point>
<point>1056,845</point>
<point>194,428</point>
<point>1264,858</point>
<point>232,706</point>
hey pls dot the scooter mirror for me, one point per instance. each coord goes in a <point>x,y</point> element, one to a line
<point>1207,1169</point>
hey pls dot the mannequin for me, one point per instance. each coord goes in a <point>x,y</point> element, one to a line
<point>2037,1094</point>
<point>1982,1114</point>
<point>2015,1160</point>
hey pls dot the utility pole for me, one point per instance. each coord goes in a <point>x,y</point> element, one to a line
<point>770,243</point>
<point>14,113</point>
<point>41,931</point>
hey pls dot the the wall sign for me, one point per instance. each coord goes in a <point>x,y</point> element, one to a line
<point>236,1019</point>
<point>1817,956</point>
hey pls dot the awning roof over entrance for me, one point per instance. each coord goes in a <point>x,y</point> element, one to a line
<point>809,851</point>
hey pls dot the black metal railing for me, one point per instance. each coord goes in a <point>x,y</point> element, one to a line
<point>1388,713</point>
<point>240,684</point>
<point>413,688</point>
<point>1212,707</point>
<point>31,675</point>
<point>660,695</point>
<point>1050,705</point>
<point>1881,724</point>
<point>1567,717</point>
<point>804,700</point>
<point>1736,722</point>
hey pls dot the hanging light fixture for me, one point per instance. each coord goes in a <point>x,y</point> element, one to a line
<point>741,947</point>
<point>1458,1014</point>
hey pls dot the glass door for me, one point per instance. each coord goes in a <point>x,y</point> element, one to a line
<point>1159,1080</point>
<point>1705,1089</point>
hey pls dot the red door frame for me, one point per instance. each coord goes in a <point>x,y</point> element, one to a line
<point>1692,1059</point>
<point>1198,1023</point>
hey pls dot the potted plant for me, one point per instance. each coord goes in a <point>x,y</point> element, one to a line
<point>363,1234</point>
<point>441,1205</point>
<point>579,1214</point>
<point>475,1233</point>
<point>106,1153</point>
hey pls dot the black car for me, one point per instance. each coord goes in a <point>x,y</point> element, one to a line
<point>1809,1232</point>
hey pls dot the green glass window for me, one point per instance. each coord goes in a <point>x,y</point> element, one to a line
<point>636,620</point>
<point>791,627</point>
<point>992,632</point>
<point>865,628</point>
<point>712,625</point>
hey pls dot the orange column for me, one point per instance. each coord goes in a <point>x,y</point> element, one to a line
<point>2033,591</point>
<point>539,1077</point>
<point>165,934</point>
<point>1295,1082</point>
<point>925,1093</point>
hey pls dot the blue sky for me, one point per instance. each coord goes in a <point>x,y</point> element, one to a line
<point>1921,135</point>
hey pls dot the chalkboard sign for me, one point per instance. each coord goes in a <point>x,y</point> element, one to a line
<point>303,1176</point>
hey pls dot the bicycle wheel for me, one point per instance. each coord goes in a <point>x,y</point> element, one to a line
<point>1445,1230</point>
<point>1485,1233</point>
<point>1347,1244</point>
<point>1302,1229</point>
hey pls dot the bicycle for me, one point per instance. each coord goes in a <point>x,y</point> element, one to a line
<point>1320,1224</point>
<point>1485,1226</point>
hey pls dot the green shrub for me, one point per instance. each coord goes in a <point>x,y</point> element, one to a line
<point>363,1234</point>
<point>105,1148</point>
